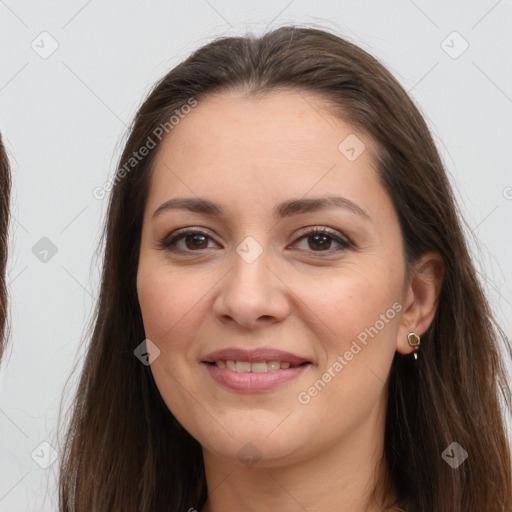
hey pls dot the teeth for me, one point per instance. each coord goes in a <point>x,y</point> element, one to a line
<point>242,366</point>
<point>259,367</point>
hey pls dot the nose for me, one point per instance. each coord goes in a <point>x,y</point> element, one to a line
<point>252,294</point>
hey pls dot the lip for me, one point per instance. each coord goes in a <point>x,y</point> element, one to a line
<point>251,382</point>
<point>254,382</point>
<point>254,355</point>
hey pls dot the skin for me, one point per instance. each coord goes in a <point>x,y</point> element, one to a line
<point>248,155</point>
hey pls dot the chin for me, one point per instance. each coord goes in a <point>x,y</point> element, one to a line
<point>249,450</point>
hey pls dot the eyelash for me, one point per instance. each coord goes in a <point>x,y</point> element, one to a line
<point>169,243</point>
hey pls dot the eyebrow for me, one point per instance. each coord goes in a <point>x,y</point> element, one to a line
<point>282,210</point>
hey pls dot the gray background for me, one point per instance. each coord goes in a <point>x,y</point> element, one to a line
<point>64,116</point>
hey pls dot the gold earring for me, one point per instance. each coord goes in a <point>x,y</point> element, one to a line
<point>414,341</point>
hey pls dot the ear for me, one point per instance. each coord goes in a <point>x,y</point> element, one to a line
<point>421,297</point>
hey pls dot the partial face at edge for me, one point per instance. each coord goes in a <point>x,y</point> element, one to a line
<point>4,221</point>
<point>310,294</point>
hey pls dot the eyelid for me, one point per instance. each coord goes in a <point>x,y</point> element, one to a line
<point>184,232</point>
<point>326,230</point>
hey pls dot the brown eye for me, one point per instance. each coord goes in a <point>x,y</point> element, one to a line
<point>194,240</point>
<point>320,240</point>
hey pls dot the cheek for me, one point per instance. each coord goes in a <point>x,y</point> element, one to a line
<point>168,304</point>
<point>165,299</point>
<point>361,311</point>
<point>356,299</point>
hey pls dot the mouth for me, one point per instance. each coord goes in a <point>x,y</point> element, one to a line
<point>255,367</point>
<point>254,370</point>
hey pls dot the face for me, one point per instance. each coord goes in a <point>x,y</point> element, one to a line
<point>253,279</point>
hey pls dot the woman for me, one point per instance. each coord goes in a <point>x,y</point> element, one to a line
<point>5,188</point>
<point>289,318</point>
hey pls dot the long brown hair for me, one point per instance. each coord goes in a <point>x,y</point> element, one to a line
<point>5,191</point>
<point>124,449</point>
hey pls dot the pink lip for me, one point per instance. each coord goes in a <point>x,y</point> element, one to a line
<point>254,355</point>
<point>253,382</point>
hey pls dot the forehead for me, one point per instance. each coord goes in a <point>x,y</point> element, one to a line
<point>284,144</point>
<point>293,121</point>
